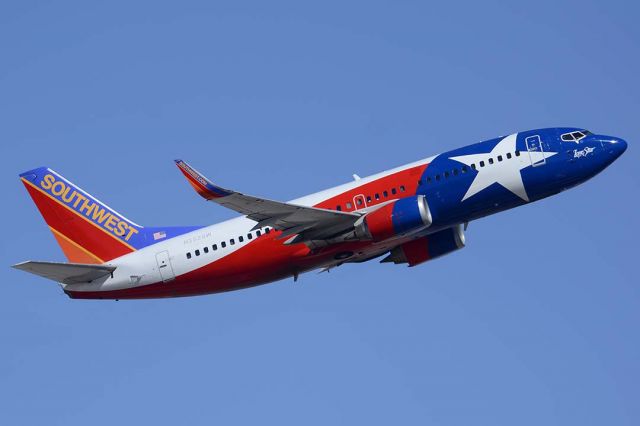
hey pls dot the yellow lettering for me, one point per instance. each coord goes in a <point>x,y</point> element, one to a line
<point>88,208</point>
<point>121,229</point>
<point>79,198</point>
<point>110,222</point>
<point>100,215</point>
<point>58,188</point>
<point>132,231</point>
<point>66,192</point>
<point>86,205</point>
<point>47,181</point>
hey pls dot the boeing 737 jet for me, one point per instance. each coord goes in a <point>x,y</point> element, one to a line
<point>409,215</point>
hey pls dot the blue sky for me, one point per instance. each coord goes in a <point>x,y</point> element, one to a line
<point>534,322</point>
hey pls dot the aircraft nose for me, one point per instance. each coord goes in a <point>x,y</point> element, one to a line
<point>617,146</point>
<point>613,146</point>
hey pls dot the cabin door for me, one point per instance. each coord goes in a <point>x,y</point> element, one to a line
<point>164,266</point>
<point>536,151</point>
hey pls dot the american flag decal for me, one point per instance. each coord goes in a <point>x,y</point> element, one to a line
<point>158,235</point>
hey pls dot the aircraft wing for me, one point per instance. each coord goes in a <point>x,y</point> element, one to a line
<point>67,273</point>
<point>307,222</point>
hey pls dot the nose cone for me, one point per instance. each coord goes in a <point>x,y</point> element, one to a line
<point>617,146</point>
<point>622,146</point>
<point>612,146</point>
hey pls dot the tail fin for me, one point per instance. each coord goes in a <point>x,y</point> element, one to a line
<point>87,230</point>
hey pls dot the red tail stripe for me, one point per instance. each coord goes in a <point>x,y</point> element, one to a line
<point>77,228</point>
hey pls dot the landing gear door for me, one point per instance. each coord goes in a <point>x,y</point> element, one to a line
<point>535,150</point>
<point>164,266</point>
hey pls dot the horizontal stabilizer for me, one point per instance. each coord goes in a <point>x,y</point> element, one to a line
<point>67,273</point>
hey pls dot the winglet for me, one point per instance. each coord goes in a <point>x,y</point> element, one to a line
<point>200,183</point>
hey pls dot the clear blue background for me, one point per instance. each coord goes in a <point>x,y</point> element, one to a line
<point>534,323</point>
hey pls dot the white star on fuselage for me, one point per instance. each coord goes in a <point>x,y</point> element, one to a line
<point>505,172</point>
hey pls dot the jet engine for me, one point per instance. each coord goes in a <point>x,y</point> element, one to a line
<point>394,219</point>
<point>429,247</point>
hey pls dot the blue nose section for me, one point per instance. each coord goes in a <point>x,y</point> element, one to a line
<point>618,146</point>
<point>613,146</point>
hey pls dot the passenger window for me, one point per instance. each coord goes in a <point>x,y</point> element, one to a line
<point>428,179</point>
<point>490,160</point>
<point>464,169</point>
<point>508,156</point>
<point>446,174</point>
<point>455,172</point>
<point>214,247</point>
<point>232,241</point>
<point>377,196</point>
<point>368,198</point>
<point>349,205</point>
<point>249,236</point>
<point>267,229</point>
<point>197,252</point>
<point>339,208</point>
<point>482,164</point>
<point>359,201</point>
<point>401,188</point>
<point>223,244</point>
<point>241,238</point>
<point>393,191</point>
<point>473,166</point>
<point>385,194</point>
<point>437,177</point>
<point>499,157</point>
<point>517,153</point>
<point>206,249</point>
<point>188,255</point>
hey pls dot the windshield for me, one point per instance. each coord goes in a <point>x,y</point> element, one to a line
<point>575,136</point>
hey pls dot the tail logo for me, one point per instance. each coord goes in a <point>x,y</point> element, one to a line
<point>84,206</point>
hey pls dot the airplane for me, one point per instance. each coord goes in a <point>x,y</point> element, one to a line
<point>410,215</point>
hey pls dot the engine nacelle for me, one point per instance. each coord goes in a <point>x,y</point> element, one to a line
<point>394,219</point>
<point>427,248</point>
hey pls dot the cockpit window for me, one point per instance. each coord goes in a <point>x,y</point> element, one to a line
<point>575,136</point>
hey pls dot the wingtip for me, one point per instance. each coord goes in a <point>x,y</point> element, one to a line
<point>22,265</point>
<point>200,183</point>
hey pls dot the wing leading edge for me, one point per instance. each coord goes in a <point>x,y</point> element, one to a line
<point>306,223</point>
